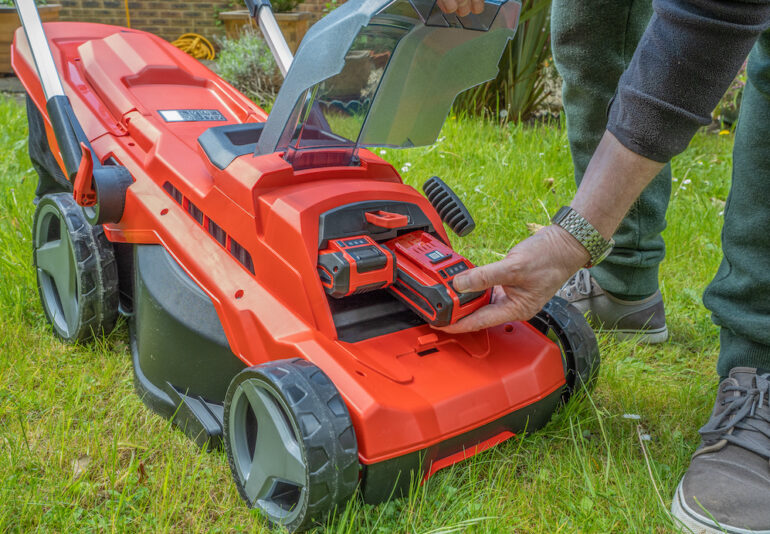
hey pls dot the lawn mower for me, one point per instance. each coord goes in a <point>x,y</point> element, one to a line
<point>280,281</point>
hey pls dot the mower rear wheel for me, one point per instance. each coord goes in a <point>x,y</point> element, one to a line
<point>77,276</point>
<point>290,442</point>
<point>563,324</point>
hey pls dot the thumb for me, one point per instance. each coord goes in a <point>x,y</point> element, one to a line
<point>484,277</point>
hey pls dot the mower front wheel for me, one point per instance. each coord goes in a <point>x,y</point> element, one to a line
<point>290,442</point>
<point>77,275</point>
<point>563,324</point>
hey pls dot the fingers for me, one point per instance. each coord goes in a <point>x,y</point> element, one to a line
<point>463,7</point>
<point>447,6</point>
<point>495,274</point>
<point>491,315</point>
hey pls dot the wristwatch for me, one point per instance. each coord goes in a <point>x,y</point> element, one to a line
<point>582,230</point>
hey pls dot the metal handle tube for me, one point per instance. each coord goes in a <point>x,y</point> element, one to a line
<point>69,134</point>
<point>274,37</point>
<point>38,44</point>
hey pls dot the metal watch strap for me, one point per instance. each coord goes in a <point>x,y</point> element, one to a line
<point>585,234</point>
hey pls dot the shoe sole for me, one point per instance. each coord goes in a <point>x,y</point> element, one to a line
<point>690,521</point>
<point>649,337</point>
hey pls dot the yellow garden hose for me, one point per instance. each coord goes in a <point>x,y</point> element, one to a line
<point>196,45</point>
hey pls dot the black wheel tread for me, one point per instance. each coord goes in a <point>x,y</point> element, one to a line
<point>578,339</point>
<point>323,420</point>
<point>97,271</point>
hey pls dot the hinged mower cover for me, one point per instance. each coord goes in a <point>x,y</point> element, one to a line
<point>382,73</point>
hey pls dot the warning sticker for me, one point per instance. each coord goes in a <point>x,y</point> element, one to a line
<point>191,115</point>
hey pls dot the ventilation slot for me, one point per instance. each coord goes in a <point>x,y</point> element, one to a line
<point>242,255</point>
<point>216,231</point>
<point>173,192</point>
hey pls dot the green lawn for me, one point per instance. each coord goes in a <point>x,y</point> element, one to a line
<point>79,451</point>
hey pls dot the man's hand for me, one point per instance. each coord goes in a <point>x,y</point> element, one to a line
<point>523,281</point>
<point>461,7</point>
<point>537,267</point>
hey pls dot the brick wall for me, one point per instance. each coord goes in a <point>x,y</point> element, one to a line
<point>168,19</point>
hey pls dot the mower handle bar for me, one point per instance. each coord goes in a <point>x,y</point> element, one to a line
<point>262,10</point>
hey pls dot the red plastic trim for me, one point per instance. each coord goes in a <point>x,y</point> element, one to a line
<point>464,454</point>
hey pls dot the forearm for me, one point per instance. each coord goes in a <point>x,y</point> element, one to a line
<point>614,179</point>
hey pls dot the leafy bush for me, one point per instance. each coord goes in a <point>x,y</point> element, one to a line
<point>726,112</point>
<point>248,64</point>
<point>10,3</point>
<point>284,6</point>
<point>520,86</point>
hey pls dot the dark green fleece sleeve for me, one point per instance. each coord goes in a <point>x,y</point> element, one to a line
<point>686,59</point>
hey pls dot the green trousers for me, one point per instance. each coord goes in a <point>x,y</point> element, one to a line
<point>593,42</point>
<point>739,295</point>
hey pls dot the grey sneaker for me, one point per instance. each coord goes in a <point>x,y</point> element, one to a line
<point>727,487</point>
<point>644,320</point>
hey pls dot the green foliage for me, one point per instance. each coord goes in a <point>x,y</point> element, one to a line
<point>10,3</point>
<point>330,6</point>
<point>726,112</point>
<point>80,452</point>
<point>284,6</point>
<point>519,87</point>
<point>248,64</point>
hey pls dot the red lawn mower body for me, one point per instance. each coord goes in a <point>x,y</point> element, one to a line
<point>248,237</point>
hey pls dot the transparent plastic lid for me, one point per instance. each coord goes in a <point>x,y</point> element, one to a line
<point>376,73</point>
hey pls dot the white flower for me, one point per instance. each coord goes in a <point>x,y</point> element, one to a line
<point>404,169</point>
<point>686,181</point>
<point>383,152</point>
<point>503,113</point>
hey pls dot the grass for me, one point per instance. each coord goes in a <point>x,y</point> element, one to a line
<point>79,451</point>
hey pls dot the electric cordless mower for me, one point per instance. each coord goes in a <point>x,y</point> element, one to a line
<point>279,280</point>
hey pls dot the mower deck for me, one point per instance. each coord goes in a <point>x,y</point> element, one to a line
<point>232,315</point>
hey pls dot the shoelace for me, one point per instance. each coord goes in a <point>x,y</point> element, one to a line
<point>738,415</point>
<point>579,282</point>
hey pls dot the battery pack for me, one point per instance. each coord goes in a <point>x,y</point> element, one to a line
<point>355,265</point>
<point>425,270</point>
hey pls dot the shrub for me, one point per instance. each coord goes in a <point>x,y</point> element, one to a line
<point>520,86</point>
<point>248,64</point>
<point>726,112</point>
<point>284,6</point>
<point>9,3</point>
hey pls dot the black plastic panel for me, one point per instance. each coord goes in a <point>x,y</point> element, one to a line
<point>375,313</point>
<point>178,345</point>
<point>222,144</point>
<point>350,220</point>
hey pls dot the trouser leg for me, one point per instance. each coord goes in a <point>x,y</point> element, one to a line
<point>739,295</point>
<point>593,42</point>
